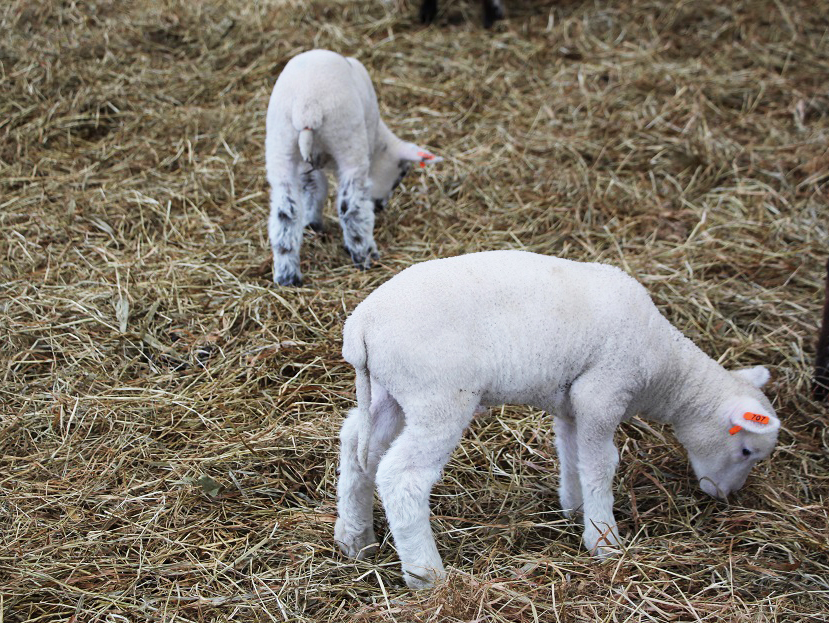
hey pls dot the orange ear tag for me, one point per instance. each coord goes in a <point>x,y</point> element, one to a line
<point>426,156</point>
<point>756,417</point>
<point>734,430</point>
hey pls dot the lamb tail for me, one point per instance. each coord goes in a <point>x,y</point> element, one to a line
<point>355,353</point>
<point>306,117</point>
<point>366,417</point>
<point>306,143</point>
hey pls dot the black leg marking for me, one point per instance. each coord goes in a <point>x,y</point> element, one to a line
<point>314,190</point>
<point>356,209</point>
<point>309,183</point>
<point>287,213</point>
<point>402,169</point>
<point>285,232</point>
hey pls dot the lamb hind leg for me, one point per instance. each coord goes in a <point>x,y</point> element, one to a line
<point>285,233</point>
<point>569,490</point>
<point>405,478</point>
<point>354,529</point>
<point>356,210</point>
<point>314,193</point>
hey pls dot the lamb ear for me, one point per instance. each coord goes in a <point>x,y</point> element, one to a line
<point>412,153</point>
<point>753,422</point>
<point>757,376</point>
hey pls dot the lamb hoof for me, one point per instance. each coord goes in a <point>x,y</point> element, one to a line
<point>289,279</point>
<point>603,544</point>
<point>492,13</point>
<point>569,496</point>
<point>359,545</point>
<point>363,259</point>
<point>317,228</point>
<point>428,11</point>
<point>422,578</point>
<point>607,551</point>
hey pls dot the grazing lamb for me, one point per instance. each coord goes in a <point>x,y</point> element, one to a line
<point>493,11</point>
<point>323,113</point>
<point>583,341</point>
<point>820,384</point>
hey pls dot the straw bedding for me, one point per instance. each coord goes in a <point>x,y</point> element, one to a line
<point>169,418</point>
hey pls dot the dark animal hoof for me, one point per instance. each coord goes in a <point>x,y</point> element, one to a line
<point>363,261</point>
<point>289,280</point>
<point>492,13</point>
<point>317,228</point>
<point>428,11</point>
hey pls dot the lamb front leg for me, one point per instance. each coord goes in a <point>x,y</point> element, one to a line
<point>597,411</point>
<point>598,459</point>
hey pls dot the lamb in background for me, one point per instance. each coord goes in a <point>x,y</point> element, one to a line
<point>583,341</point>
<point>323,114</point>
<point>820,384</point>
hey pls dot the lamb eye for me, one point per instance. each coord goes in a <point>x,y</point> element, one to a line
<point>746,452</point>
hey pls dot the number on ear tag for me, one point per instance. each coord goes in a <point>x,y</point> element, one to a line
<point>756,417</point>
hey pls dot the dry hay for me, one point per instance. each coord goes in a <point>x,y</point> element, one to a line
<point>169,418</point>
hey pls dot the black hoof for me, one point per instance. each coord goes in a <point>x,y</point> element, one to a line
<point>428,11</point>
<point>317,228</point>
<point>289,280</point>
<point>363,261</point>
<point>492,14</point>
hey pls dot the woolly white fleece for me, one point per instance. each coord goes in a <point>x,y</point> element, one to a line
<point>583,341</point>
<point>323,114</point>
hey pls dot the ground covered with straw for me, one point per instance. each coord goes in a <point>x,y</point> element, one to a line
<point>169,418</point>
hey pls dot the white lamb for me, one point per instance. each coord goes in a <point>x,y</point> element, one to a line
<point>323,114</point>
<point>583,341</point>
